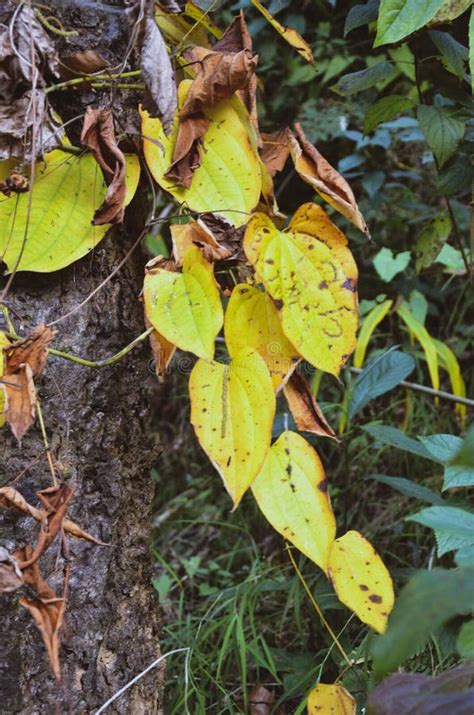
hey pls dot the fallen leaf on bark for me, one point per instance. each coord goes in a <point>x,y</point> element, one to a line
<point>22,85</point>
<point>46,608</point>
<point>186,157</point>
<point>275,150</point>
<point>306,412</point>
<point>55,502</point>
<point>318,172</point>
<point>10,498</point>
<point>98,135</point>
<point>157,72</point>
<point>24,360</point>
<point>11,577</point>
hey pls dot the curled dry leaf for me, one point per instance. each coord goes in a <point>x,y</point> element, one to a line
<point>198,233</point>
<point>55,501</point>
<point>98,135</point>
<point>318,172</point>
<point>306,412</point>
<point>162,351</point>
<point>260,700</point>
<point>221,72</point>
<point>11,577</point>
<point>46,608</point>
<point>10,498</point>
<point>24,361</point>
<point>275,150</point>
<point>289,35</point>
<point>157,71</point>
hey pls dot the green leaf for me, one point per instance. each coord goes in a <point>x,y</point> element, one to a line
<point>453,54</point>
<point>380,375</point>
<point>359,81</point>
<point>429,599</point>
<point>396,438</point>
<point>460,471</point>
<point>431,239</point>
<point>465,557</point>
<point>385,109</point>
<point>465,640</point>
<point>409,488</point>
<point>451,258</point>
<point>442,132</point>
<point>388,265</point>
<point>454,527</point>
<point>418,305</point>
<point>361,15</point>
<point>400,18</point>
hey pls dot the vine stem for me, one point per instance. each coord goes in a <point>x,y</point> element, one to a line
<point>108,361</point>
<point>92,78</point>
<point>318,609</point>
<point>46,443</point>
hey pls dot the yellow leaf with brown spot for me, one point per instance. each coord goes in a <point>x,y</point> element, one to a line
<point>361,579</point>
<point>252,321</point>
<point>330,700</point>
<point>310,271</point>
<point>228,180</point>
<point>289,35</point>
<point>232,411</point>
<point>185,308</point>
<point>291,491</point>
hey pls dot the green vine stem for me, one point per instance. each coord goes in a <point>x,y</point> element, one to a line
<point>92,78</point>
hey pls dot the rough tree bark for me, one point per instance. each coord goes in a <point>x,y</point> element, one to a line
<point>97,422</point>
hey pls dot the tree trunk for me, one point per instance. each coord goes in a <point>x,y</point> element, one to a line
<point>96,421</point>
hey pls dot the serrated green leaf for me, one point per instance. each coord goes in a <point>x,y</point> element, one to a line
<point>396,438</point>
<point>453,527</point>
<point>385,109</point>
<point>442,131</point>
<point>430,599</point>
<point>399,18</point>
<point>432,238</point>
<point>360,81</point>
<point>453,54</point>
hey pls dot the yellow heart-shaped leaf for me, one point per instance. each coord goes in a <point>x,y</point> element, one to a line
<point>252,321</point>
<point>232,410</point>
<point>310,270</point>
<point>291,491</point>
<point>185,307</point>
<point>330,700</point>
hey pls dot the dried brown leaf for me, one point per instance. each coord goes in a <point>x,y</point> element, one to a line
<point>20,400</point>
<point>98,135</point>
<point>32,350</point>
<point>81,63</point>
<point>55,501</point>
<point>197,233</point>
<point>306,412</point>
<point>46,608</point>
<point>275,150</point>
<point>261,701</point>
<point>17,126</point>
<point>158,74</point>
<point>162,350</point>
<point>186,157</point>
<point>11,577</point>
<point>318,172</point>
<point>10,498</point>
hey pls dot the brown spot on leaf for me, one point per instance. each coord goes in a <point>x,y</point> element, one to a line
<point>375,598</point>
